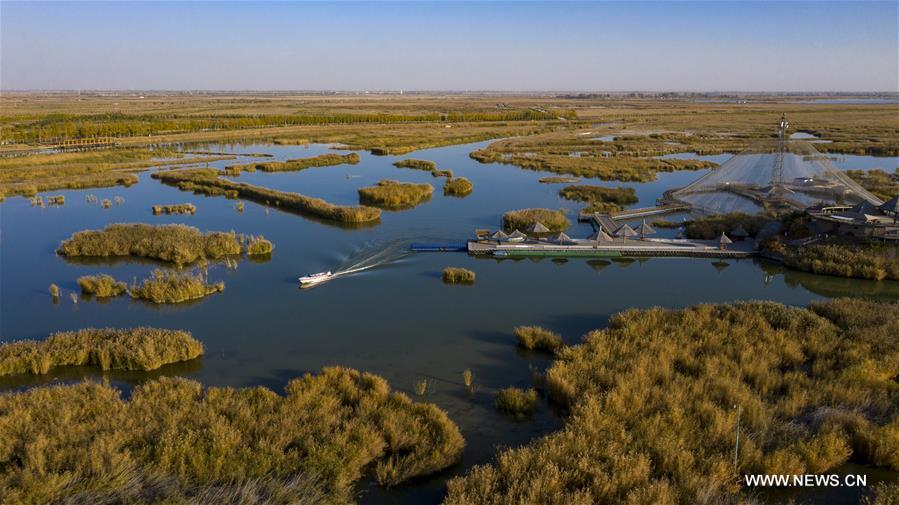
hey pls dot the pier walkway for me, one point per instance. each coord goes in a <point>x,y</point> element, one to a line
<point>614,248</point>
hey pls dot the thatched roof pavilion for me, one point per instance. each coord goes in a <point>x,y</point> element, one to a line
<point>560,237</point>
<point>891,206</point>
<point>600,235</point>
<point>644,229</point>
<point>723,241</point>
<point>626,231</point>
<point>538,227</point>
<point>500,236</point>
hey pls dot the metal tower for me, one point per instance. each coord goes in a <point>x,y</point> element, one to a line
<point>777,173</point>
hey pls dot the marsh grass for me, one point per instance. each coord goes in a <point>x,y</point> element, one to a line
<point>651,402</point>
<point>521,219</point>
<point>558,180</point>
<point>56,200</point>
<point>175,243</point>
<point>106,203</point>
<point>711,227</point>
<point>54,291</point>
<point>882,184</point>
<point>183,208</point>
<point>863,261</point>
<point>326,433</point>
<point>536,338</point>
<point>101,285</point>
<point>239,206</point>
<point>459,186</point>
<point>427,166</point>
<point>106,348</point>
<point>207,181</point>
<point>174,287</point>
<point>518,402</point>
<point>467,377</point>
<point>391,194</point>
<point>456,275</point>
<point>600,198</point>
<point>258,246</point>
<point>322,160</point>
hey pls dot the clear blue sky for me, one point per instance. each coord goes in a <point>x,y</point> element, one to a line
<point>702,46</point>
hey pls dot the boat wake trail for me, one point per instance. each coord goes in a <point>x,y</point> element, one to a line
<point>372,255</point>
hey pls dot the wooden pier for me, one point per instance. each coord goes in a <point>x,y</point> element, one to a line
<point>615,248</point>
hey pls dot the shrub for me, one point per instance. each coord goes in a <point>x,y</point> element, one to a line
<point>174,287</point>
<point>395,195</point>
<point>175,441</point>
<point>600,198</point>
<point>101,285</point>
<point>174,243</point>
<point>460,186</point>
<point>711,227</point>
<point>455,275</point>
<point>106,348</point>
<point>54,290</point>
<point>537,338</point>
<point>518,402</point>
<point>555,220</point>
<point>870,261</point>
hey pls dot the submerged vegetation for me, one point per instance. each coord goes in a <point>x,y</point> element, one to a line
<point>310,446</point>
<point>711,227</point>
<point>654,401</point>
<point>458,186</point>
<point>864,261</point>
<point>456,275</point>
<point>538,339</point>
<point>174,287</point>
<point>175,243</point>
<point>600,198</point>
<point>395,195</point>
<point>208,182</point>
<point>518,402</point>
<point>183,208</point>
<point>106,348</point>
<point>322,160</point>
<point>101,285</point>
<point>521,219</point>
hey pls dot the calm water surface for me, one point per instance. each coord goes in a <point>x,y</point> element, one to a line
<point>398,319</point>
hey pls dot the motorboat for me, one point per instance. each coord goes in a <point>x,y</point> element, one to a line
<point>312,279</point>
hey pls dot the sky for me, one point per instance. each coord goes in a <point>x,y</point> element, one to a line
<point>530,46</point>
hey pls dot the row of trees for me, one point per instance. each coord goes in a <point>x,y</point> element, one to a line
<point>66,126</point>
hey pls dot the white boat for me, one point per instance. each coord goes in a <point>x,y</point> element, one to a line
<point>312,279</point>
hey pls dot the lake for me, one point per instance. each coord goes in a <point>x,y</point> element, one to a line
<point>396,319</point>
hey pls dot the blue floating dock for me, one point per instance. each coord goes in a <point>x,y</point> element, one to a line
<point>439,247</point>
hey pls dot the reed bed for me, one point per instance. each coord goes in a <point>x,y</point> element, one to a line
<point>106,348</point>
<point>711,227</point>
<point>174,441</point>
<point>174,287</point>
<point>258,246</point>
<point>175,243</point>
<point>456,275</point>
<point>322,160</point>
<point>558,180</point>
<point>459,186</point>
<point>426,165</point>
<point>391,194</point>
<point>600,198</point>
<point>536,338</point>
<point>862,261</point>
<point>101,285</point>
<point>882,184</point>
<point>182,208</point>
<point>56,200</point>
<point>518,402</point>
<point>206,181</point>
<point>521,219</point>
<point>654,401</point>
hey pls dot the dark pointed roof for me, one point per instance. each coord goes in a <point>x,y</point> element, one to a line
<point>864,207</point>
<point>724,240</point>
<point>625,231</point>
<point>739,231</point>
<point>560,237</point>
<point>645,229</point>
<point>538,227</point>
<point>891,205</point>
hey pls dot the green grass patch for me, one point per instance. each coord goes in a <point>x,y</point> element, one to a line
<point>391,194</point>
<point>106,348</point>
<point>174,441</point>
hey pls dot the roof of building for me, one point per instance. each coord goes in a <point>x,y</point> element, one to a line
<point>891,205</point>
<point>538,227</point>
<point>600,235</point>
<point>739,231</point>
<point>864,207</point>
<point>560,237</point>
<point>645,229</point>
<point>626,231</point>
<point>517,234</point>
<point>724,240</point>
<point>499,235</point>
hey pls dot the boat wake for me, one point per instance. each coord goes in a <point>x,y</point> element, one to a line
<point>371,255</point>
